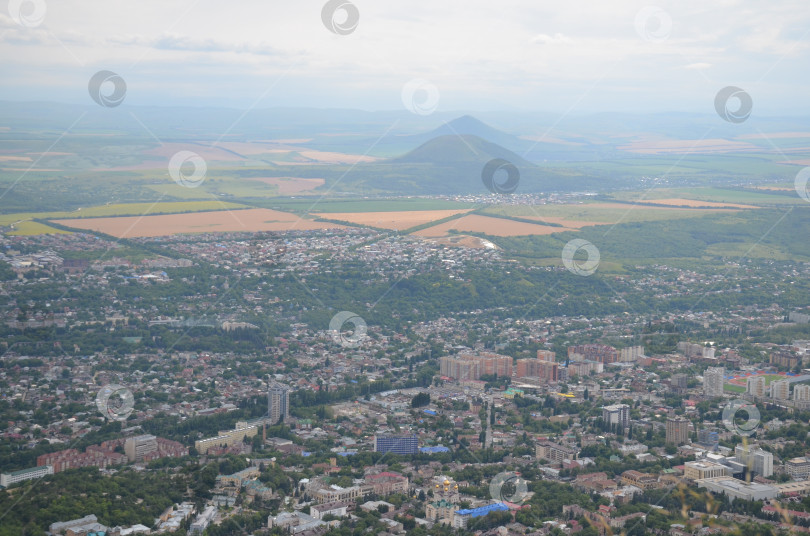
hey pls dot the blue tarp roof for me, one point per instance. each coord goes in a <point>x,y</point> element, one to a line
<point>484,510</point>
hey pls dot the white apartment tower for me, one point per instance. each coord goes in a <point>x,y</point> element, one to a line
<point>713,380</point>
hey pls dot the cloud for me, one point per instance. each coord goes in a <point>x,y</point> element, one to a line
<point>556,39</point>
<point>480,54</point>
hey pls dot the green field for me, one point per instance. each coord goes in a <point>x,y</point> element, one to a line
<point>315,204</point>
<point>607,213</point>
<point>731,388</point>
<point>31,228</point>
<point>716,195</point>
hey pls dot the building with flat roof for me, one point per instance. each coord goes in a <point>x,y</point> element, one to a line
<point>798,468</point>
<point>703,469</point>
<point>337,509</point>
<point>755,385</point>
<point>677,430</point>
<point>755,459</point>
<point>278,403</point>
<point>472,367</point>
<point>780,390</point>
<point>739,489</point>
<point>801,393</point>
<point>600,353</point>
<point>227,438</point>
<point>546,371</point>
<point>554,453</point>
<point>396,444</point>
<point>709,439</point>
<point>462,517</point>
<point>81,523</point>
<point>32,473</point>
<point>713,380</point>
<point>203,520</point>
<point>139,448</point>
<point>618,414</point>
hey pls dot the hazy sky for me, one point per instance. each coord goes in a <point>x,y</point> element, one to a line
<point>536,55</point>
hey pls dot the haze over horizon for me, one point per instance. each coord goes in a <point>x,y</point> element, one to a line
<point>621,57</point>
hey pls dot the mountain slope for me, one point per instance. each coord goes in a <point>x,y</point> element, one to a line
<point>468,125</point>
<point>455,149</point>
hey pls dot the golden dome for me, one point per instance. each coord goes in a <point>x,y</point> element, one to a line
<point>446,482</point>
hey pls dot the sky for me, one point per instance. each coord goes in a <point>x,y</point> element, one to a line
<point>421,55</point>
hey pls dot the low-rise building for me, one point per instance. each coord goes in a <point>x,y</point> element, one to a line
<point>7,479</point>
<point>337,509</point>
<point>462,517</point>
<point>739,489</point>
<point>703,469</point>
<point>555,453</point>
<point>798,468</point>
<point>640,480</point>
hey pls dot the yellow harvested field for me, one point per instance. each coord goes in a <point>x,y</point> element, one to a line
<point>393,220</point>
<point>777,188</point>
<point>474,223</point>
<point>291,185</point>
<point>693,203</point>
<point>250,220</point>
